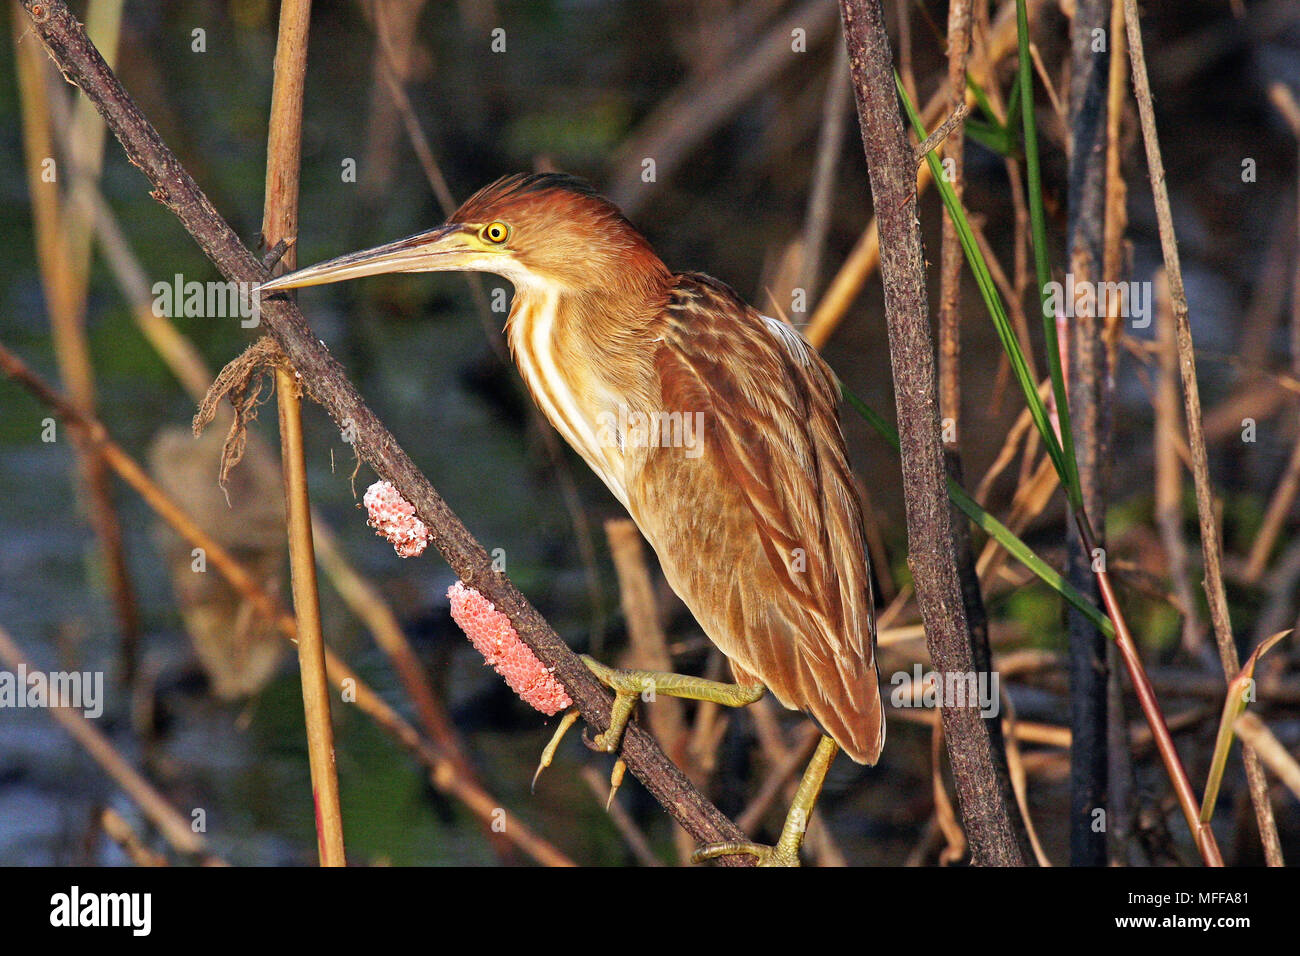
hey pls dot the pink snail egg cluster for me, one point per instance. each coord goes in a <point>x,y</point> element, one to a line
<point>393,516</point>
<point>493,636</point>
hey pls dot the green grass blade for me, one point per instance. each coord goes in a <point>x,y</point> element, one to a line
<point>1042,264</point>
<point>992,300</point>
<point>982,101</point>
<point>991,136</point>
<point>995,528</point>
<point>1007,132</point>
<point>1234,705</point>
<point>1013,105</point>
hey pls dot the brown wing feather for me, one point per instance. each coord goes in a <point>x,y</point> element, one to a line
<point>772,560</point>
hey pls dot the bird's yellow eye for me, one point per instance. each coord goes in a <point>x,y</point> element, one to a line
<point>496,232</point>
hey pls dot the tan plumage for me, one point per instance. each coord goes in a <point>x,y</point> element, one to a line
<point>757,525</point>
<point>760,534</point>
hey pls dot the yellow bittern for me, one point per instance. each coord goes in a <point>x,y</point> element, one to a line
<point>717,428</point>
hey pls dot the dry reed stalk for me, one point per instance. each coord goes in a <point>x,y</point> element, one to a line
<point>170,823</point>
<point>1028,503</point>
<point>280,222</point>
<point>1169,471</point>
<point>442,772</point>
<point>1014,299</point>
<point>86,152</point>
<point>1020,779</point>
<point>1022,428</point>
<point>360,594</point>
<point>1210,546</point>
<point>1253,731</point>
<point>951,258</point>
<point>65,299</point>
<point>945,814</point>
<point>1026,732</point>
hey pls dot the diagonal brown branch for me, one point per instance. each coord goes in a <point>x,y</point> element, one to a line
<point>443,773</point>
<point>173,186</point>
<point>978,763</point>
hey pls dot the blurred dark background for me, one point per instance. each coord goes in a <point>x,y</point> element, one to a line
<point>590,88</point>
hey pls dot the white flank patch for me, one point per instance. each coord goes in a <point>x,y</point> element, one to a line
<point>535,353</point>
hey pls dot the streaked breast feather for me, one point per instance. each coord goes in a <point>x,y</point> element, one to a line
<point>532,337</point>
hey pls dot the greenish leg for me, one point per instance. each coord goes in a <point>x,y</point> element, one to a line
<point>786,851</point>
<point>629,686</point>
<point>548,754</point>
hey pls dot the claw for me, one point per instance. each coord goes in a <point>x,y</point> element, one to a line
<point>615,781</point>
<point>548,754</point>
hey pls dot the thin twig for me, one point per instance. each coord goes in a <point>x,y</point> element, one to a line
<point>951,258</point>
<point>948,130</point>
<point>1169,471</point>
<point>170,823</point>
<point>323,376</point>
<point>821,191</point>
<point>945,817</point>
<point>1048,86</point>
<point>442,772</point>
<point>280,221</point>
<point>1210,546</point>
<point>1253,731</point>
<point>360,594</point>
<point>65,300</point>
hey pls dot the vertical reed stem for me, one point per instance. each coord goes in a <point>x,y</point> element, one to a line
<point>311,641</point>
<point>280,221</point>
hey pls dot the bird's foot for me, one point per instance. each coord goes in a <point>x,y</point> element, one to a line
<point>784,853</point>
<point>631,686</point>
<point>786,850</point>
<point>763,855</point>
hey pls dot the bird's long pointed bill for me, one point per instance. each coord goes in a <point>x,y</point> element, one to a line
<point>422,252</point>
